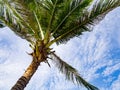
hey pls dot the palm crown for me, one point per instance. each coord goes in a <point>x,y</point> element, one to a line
<point>45,22</point>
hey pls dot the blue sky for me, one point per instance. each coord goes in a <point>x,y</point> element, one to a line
<point>94,54</point>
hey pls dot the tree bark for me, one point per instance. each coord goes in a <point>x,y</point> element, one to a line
<point>39,55</point>
<point>24,80</point>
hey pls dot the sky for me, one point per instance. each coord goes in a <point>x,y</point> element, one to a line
<point>94,54</point>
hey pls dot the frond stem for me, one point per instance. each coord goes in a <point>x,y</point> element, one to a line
<point>41,32</point>
<point>66,17</point>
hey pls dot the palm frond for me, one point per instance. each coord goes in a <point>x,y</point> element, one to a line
<point>54,6</point>
<point>14,20</point>
<point>20,18</point>
<point>86,20</point>
<point>48,10</point>
<point>55,14</point>
<point>71,73</point>
<point>1,25</point>
<point>41,32</point>
<point>70,11</point>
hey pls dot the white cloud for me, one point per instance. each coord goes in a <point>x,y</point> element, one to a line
<point>13,58</point>
<point>110,69</point>
<point>116,84</point>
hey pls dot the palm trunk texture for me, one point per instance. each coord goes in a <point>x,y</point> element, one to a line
<point>24,80</point>
<point>39,55</point>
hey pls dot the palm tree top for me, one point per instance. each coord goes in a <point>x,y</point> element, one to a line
<point>60,19</point>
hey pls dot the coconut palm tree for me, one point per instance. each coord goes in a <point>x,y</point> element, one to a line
<point>46,22</point>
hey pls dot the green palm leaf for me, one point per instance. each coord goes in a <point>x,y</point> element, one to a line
<point>20,18</point>
<point>14,20</point>
<point>1,25</point>
<point>71,10</point>
<point>71,73</point>
<point>87,19</point>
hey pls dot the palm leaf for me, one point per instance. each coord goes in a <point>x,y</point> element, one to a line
<point>11,18</point>
<point>71,73</point>
<point>48,10</point>
<point>71,10</point>
<point>19,18</point>
<point>1,25</point>
<point>86,20</point>
<point>55,13</point>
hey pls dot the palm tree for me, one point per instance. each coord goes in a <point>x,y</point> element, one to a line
<point>46,22</point>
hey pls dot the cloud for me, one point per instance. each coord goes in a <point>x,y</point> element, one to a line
<point>13,58</point>
<point>116,84</point>
<point>111,69</point>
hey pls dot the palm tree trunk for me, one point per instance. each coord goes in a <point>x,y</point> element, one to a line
<point>24,80</point>
<point>39,55</point>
